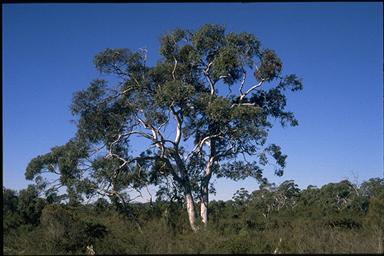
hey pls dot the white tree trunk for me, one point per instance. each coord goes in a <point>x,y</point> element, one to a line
<point>204,193</point>
<point>184,181</point>
<point>204,205</point>
<point>191,211</point>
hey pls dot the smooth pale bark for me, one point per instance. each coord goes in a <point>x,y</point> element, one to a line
<point>204,194</point>
<point>204,205</point>
<point>184,181</point>
<point>191,211</point>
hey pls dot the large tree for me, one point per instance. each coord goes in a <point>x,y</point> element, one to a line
<point>205,108</point>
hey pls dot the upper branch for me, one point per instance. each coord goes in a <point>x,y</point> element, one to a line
<point>174,69</point>
<point>211,83</point>
<point>201,143</point>
<point>242,95</point>
<point>178,126</point>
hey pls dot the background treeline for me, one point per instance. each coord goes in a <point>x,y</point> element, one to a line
<point>336,218</point>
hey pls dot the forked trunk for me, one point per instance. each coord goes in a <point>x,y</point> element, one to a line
<point>184,181</point>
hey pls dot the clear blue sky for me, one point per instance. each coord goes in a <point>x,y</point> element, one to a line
<point>337,48</point>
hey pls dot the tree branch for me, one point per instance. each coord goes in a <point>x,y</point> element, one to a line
<point>206,73</point>
<point>174,69</point>
<point>199,146</point>
<point>251,89</point>
<point>243,104</point>
<point>242,83</point>
<point>178,126</point>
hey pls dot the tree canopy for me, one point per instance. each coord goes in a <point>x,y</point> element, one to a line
<point>205,108</point>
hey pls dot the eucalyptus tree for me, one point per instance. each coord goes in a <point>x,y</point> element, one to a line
<point>205,108</point>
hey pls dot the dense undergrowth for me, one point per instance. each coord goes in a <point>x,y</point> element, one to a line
<point>336,218</point>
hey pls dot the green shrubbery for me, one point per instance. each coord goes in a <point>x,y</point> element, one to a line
<point>337,218</point>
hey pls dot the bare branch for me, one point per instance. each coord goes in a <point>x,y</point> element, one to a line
<point>157,137</point>
<point>163,124</point>
<point>174,69</point>
<point>137,82</point>
<point>242,83</point>
<point>150,195</point>
<point>118,157</point>
<point>208,67</point>
<point>118,71</point>
<point>254,87</point>
<point>243,104</point>
<point>178,126</point>
<point>251,89</point>
<point>116,95</point>
<point>206,73</point>
<point>110,147</point>
<point>143,134</point>
<point>199,146</point>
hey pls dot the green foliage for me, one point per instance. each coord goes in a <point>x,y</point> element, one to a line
<point>281,219</point>
<point>219,110</point>
<point>239,170</point>
<point>270,67</point>
<point>30,205</point>
<point>375,214</point>
<point>208,39</point>
<point>11,217</point>
<point>174,93</point>
<point>61,160</point>
<point>120,61</point>
<point>193,111</point>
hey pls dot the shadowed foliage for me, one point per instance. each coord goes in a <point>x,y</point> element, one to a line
<point>339,217</point>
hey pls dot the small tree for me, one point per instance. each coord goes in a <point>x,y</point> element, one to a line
<point>194,113</point>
